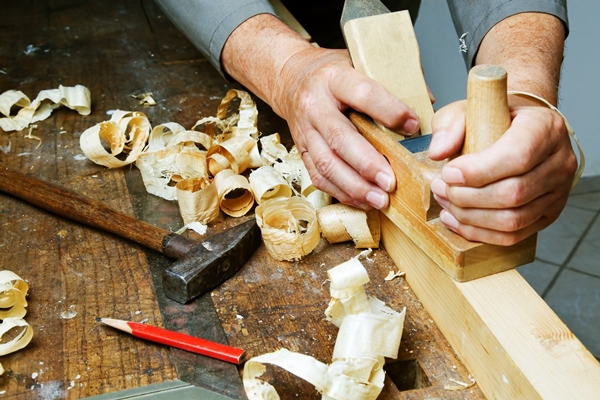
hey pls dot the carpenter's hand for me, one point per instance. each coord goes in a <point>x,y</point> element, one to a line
<point>314,89</point>
<point>511,190</point>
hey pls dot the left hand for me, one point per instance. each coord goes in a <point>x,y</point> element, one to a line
<point>514,188</point>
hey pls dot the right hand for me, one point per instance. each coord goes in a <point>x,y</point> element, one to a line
<point>313,90</point>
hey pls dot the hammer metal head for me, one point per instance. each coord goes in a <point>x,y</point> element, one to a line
<point>354,9</point>
<point>211,262</point>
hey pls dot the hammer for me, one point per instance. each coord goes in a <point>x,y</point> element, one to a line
<point>199,266</point>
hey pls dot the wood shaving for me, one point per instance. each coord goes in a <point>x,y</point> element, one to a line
<point>13,291</point>
<point>369,332</point>
<point>393,275</point>
<point>198,200</point>
<point>268,184</point>
<point>459,385</point>
<point>340,223</point>
<point>30,136</point>
<point>289,227</point>
<point>77,98</point>
<point>234,193</point>
<point>202,169</point>
<point>145,99</point>
<point>125,132</point>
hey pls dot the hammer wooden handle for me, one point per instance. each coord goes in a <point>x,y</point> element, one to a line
<point>71,205</point>
<point>488,116</point>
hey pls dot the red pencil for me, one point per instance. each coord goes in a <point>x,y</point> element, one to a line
<point>176,339</point>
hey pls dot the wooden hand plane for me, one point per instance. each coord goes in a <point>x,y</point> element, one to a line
<point>383,46</point>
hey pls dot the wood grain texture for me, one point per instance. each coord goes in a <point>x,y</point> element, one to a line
<point>272,304</point>
<point>461,259</point>
<point>384,47</point>
<point>288,18</point>
<point>488,116</point>
<point>507,336</point>
<point>71,205</point>
<point>117,49</point>
<point>411,204</point>
<point>110,48</point>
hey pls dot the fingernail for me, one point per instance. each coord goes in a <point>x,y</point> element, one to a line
<point>442,201</point>
<point>453,176</point>
<point>377,200</point>
<point>438,140</point>
<point>384,181</point>
<point>411,126</point>
<point>438,187</point>
<point>448,220</point>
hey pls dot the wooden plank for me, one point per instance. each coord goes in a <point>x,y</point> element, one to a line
<point>288,18</point>
<point>384,47</point>
<point>506,335</point>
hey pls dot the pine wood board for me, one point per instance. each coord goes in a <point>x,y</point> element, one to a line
<point>507,336</point>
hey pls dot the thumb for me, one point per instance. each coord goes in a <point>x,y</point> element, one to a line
<point>448,127</point>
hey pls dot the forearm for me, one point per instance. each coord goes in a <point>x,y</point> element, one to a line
<point>256,53</point>
<point>530,47</point>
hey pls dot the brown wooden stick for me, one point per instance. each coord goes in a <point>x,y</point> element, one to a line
<point>488,116</point>
<point>61,201</point>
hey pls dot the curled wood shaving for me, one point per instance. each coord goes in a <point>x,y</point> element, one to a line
<point>30,136</point>
<point>267,184</point>
<point>234,193</point>
<point>77,98</point>
<point>234,154</point>
<point>162,134</point>
<point>340,223</point>
<point>13,291</point>
<point>292,169</point>
<point>248,113</point>
<point>125,132</point>
<point>316,197</point>
<point>198,200</point>
<point>19,341</point>
<point>289,227</point>
<point>369,332</point>
<point>272,149</point>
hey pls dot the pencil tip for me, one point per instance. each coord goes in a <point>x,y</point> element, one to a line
<point>98,319</point>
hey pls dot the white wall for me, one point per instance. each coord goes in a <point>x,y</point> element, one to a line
<point>580,86</point>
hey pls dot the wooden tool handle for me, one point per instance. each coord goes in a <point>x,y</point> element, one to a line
<point>71,205</point>
<point>488,116</point>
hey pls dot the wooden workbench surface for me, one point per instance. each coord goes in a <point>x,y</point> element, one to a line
<point>76,273</point>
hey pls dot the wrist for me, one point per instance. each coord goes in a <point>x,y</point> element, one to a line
<point>257,51</point>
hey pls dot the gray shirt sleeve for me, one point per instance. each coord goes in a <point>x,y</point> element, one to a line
<point>208,23</point>
<point>474,18</point>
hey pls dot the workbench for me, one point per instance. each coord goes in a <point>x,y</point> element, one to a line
<point>76,273</point>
